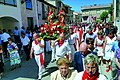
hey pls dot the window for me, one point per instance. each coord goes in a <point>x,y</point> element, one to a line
<point>43,11</point>
<point>2,1</point>
<point>28,4</point>
<point>39,15</point>
<point>9,2</point>
<point>30,22</point>
<point>85,18</point>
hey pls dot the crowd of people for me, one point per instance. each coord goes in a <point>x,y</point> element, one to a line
<point>87,47</point>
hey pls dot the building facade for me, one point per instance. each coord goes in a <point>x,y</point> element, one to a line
<point>10,14</point>
<point>29,14</point>
<point>43,8</point>
<point>116,4</point>
<point>77,17</point>
<point>91,13</point>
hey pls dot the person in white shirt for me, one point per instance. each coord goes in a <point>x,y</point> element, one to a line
<point>91,69</point>
<point>23,29</point>
<point>72,40</point>
<point>4,38</point>
<point>62,47</point>
<point>25,43</point>
<point>16,35</point>
<point>90,34</point>
<point>38,48</point>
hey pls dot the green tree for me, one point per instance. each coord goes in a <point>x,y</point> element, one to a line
<point>103,16</point>
<point>110,10</point>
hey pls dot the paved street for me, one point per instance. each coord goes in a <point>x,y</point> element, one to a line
<point>28,71</point>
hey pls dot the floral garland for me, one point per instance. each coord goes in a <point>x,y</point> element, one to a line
<point>51,30</point>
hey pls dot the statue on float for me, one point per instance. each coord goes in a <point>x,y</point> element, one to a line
<point>53,27</point>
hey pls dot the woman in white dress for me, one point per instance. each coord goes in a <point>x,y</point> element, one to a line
<point>109,55</point>
<point>14,55</point>
<point>99,45</point>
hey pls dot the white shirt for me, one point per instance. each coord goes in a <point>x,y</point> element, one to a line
<point>48,48</point>
<point>16,32</point>
<point>5,37</point>
<point>25,41</point>
<point>109,43</point>
<point>80,74</point>
<point>0,39</point>
<point>62,50</point>
<point>93,36</point>
<point>37,49</point>
<point>72,38</point>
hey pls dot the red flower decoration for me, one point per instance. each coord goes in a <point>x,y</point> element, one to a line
<point>62,31</point>
<point>62,24</point>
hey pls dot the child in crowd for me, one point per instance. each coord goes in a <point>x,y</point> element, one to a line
<point>90,43</point>
<point>99,45</point>
<point>14,55</point>
<point>1,62</point>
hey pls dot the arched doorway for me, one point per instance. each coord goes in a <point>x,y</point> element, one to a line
<point>8,23</point>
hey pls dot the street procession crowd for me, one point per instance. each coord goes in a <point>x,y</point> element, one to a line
<point>85,47</point>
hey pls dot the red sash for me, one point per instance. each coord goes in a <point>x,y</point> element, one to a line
<point>87,77</point>
<point>41,59</point>
<point>80,34</point>
<point>41,56</point>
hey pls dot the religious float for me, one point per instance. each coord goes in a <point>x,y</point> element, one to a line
<point>54,26</point>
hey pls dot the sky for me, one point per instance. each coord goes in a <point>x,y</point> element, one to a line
<point>76,4</point>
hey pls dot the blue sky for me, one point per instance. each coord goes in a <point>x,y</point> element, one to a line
<point>76,4</point>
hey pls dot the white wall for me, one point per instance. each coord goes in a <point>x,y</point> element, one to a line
<point>29,13</point>
<point>40,12</point>
<point>116,20</point>
<point>10,11</point>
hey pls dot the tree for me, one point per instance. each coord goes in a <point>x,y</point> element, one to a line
<point>103,16</point>
<point>110,10</point>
